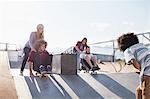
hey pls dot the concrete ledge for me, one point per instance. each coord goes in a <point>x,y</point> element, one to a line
<point>7,86</point>
<point>65,64</point>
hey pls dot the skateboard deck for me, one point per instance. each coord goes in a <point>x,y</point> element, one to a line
<point>46,74</point>
<point>90,71</point>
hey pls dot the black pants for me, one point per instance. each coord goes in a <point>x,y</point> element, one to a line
<point>26,51</point>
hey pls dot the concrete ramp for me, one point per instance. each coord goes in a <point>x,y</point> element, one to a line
<point>113,81</point>
<point>84,86</point>
<point>7,86</point>
<point>45,88</point>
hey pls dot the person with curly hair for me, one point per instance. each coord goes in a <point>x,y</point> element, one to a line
<point>39,59</point>
<point>139,56</point>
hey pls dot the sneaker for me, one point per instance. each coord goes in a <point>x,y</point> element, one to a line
<point>42,69</point>
<point>49,68</point>
<point>21,73</point>
<point>95,68</point>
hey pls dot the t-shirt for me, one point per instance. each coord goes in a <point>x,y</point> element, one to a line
<point>40,58</point>
<point>142,55</point>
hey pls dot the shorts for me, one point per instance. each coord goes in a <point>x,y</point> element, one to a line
<point>83,55</point>
<point>144,93</point>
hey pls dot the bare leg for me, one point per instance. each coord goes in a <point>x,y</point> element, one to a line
<point>94,59</point>
<point>88,60</point>
<point>145,87</point>
<point>138,93</point>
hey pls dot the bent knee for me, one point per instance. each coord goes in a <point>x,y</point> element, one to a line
<point>87,57</point>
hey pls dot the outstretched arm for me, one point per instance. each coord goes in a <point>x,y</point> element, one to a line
<point>30,68</point>
<point>135,64</point>
<point>76,47</point>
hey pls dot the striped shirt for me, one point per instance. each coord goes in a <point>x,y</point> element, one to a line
<point>142,55</point>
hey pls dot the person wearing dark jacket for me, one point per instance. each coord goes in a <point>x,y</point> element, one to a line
<point>39,59</point>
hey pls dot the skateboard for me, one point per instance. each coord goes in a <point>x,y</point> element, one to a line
<point>87,70</point>
<point>45,74</point>
<point>91,72</point>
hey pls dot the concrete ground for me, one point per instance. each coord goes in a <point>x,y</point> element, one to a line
<point>113,81</point>
<point>7,85</point>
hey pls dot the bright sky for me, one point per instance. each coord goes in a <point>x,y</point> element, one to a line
<point>68,21</point>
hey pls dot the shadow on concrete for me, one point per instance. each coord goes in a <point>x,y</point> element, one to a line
<point>80,87</point>
<point>44,88</point>
<point>114,86</point>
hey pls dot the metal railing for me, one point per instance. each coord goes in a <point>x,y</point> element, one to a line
<point>113,43</point>
<point>7,47</point>
<point>69,50</point>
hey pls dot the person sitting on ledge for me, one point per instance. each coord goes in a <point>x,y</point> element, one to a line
<point>88,57</point>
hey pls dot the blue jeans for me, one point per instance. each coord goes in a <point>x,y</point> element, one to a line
<point>78,58</point>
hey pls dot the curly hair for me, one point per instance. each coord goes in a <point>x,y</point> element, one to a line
<point>39,43</point>
<point>127,40</point>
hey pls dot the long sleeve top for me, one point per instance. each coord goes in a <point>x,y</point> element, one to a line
<point>32,40</point>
